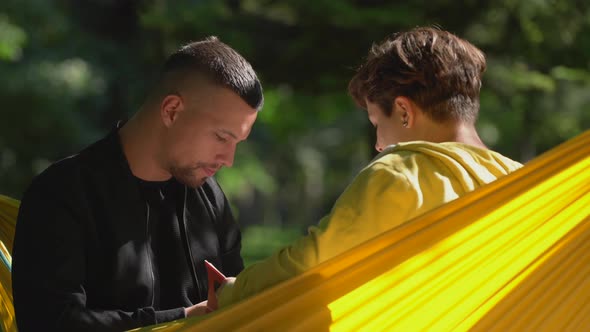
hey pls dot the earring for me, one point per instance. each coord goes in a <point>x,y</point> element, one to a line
<point>405,119</point>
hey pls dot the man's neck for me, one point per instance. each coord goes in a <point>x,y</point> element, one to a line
<point>140,144</point>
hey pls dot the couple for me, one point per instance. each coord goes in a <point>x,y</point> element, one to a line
<point>115,237</point>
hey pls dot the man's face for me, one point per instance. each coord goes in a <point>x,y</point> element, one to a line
<point>205,132</point>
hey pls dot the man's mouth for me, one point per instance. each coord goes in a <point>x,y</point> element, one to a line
<point>209,171</point>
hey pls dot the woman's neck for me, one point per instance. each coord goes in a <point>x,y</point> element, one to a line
<point>452,132</point>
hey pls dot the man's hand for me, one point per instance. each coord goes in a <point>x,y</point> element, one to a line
<point>202,308</point>
<point>198,309</point>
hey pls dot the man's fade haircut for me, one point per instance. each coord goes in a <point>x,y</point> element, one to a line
<point>215,61</point>
<point>437,70</point>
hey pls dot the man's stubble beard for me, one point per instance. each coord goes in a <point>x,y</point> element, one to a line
<point>186,176</point>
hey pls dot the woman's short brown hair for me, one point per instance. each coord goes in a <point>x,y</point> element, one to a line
<point>437,70</point>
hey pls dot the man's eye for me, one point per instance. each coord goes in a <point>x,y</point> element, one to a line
<point>220,139</point>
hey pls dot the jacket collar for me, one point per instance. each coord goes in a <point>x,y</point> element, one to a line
<point>106,160</point>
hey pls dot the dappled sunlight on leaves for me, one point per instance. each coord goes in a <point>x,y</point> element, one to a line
<point>12,39</point>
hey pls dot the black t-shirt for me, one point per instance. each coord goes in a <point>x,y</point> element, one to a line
<point>173,285</point>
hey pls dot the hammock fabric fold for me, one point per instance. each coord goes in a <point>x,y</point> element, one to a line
<point>8,212</point>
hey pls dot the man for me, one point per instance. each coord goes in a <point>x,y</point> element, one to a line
<point>421,92</point>
<point>115,237</point>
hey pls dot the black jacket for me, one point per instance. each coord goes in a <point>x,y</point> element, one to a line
<point>81,259</point>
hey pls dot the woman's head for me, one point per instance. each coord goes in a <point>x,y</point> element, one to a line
<point>437,70</point>
<point>426,69</point>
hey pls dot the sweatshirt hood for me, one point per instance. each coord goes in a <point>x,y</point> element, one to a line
<point>473,166</point>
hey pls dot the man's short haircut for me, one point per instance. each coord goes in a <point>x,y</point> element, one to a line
<point>215,61</point>
<point>437,70</point>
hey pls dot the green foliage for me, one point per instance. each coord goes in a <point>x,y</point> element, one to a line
<point>12,40</point>
<point>260,241</point>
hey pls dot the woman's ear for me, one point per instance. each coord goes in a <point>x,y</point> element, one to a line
<point>404,111</point>
<point>170,108</point>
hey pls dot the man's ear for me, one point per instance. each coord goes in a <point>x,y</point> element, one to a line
<point>170,108</point>
<point>404,111</point>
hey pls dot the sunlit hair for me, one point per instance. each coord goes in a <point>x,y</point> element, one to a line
<point>437,70</point>
<point>217,62</point>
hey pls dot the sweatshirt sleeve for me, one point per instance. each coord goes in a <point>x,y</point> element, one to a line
<point>49,268</point>
<point>377,200</point>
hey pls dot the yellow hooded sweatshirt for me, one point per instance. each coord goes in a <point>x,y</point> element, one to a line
<point>401,183</point>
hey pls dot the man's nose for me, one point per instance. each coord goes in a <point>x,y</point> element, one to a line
<point>227,157</point>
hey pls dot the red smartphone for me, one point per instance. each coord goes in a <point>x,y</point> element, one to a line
<point>215,279</point>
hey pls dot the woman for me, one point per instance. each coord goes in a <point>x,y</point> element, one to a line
<point>420,89</point>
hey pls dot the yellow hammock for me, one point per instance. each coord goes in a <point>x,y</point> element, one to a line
<point>8,212</point>
<point>512,255</point>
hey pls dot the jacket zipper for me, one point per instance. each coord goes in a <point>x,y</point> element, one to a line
<point>188,247</point>
<point>148,250</point>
